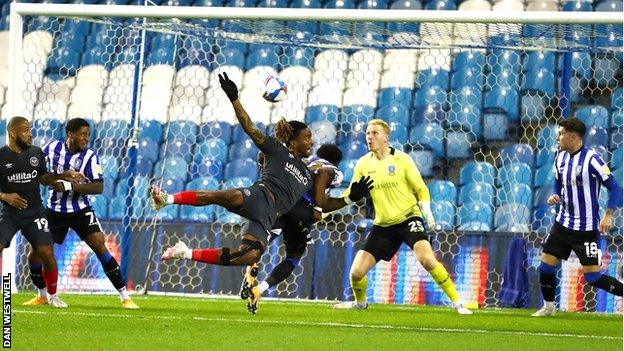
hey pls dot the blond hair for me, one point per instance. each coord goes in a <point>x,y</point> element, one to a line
<point>381,123</point>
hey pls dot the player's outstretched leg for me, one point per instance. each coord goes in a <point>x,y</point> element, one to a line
<point>35,267</point>
<point>247,253</point>
<point>50,274</point>
<point>282,271</point>
<point>226,198</point>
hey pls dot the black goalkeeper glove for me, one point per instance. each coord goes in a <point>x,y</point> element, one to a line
<point>228,87</point>
<point>361,188</point>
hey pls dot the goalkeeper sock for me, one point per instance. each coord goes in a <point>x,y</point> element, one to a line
<point>443,279</point>
<point>604,282</point>
<point>36,275</point>
<point>282,271</point>
<point>112,271</point>
<point>359,290</point>
<point>548,281</point>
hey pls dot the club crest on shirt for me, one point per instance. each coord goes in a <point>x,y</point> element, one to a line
<point>391,169</point>
<point>34,161</point>
<point>579,169</point>
<point>77,163</point>
<point>59,169</point>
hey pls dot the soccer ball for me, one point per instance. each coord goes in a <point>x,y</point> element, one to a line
<point>275,89</point>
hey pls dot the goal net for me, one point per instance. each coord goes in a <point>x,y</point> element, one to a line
<point>474,99</point>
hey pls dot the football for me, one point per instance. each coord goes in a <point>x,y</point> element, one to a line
<point>275,89</point>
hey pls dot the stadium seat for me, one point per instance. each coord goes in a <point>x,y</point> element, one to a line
<point>577,6</point>
<point>476,192</point>
<point>353,149</point>
<point>100,206</point>
<point>514,173</point>
<point>395,95</point>
<point>398,132</point>
<point>475,216</point>
<point>600,150</point>
<point>522,153</point>
<point>177,148</point>
<point>47,127</point>
<point>444,214</point>
<point>373,4</point>
<point>113,128</point>
<point>465,116</point>
<point>182,130</point>
<point>442,190</point>
<point>306,4</point>
<point>171,168</point>
<point>617,99</point>
<point>116,207</point>
<point>243,149</point>
<point>151,129</point>
<point>144,166</point>
<point>432,78</point>
<point>241,168</point>
<point>346,167</point>
<point>429,136</point>
<point>394,113</point>
<point>512,218</point>
<point>595,115</point>
<point>324,133</point>
<point>432,113</point>
<point>357,113</point>
<point>431,96</point>
<point>458,144</point>
<point>547,136</point>
<point>238,134</point>
<point>238,182</point>
<point>539,81</point>
<point>297,56</point>
<point>172,186</point>
<point>543,219</point>
<point>272,3</point>
<point>350,132</point>
<point>197,213</point>
<point>477,172</point>
<point>541,195</point>
<point>535,60</point>
<point>424,160</point>
<point>469,60</point>
<point>596,136</point>
<point>262,57</point>
<point>519,194</point>
<point>109,146</point>
<point>616,159</point>
<point>502,99</point>
<point>471,76</point>
<point>110,166</point>
<point>207,167</point>
<point>502,77</point>
<point>495,126</point>
<point>545,156</point>
<point>617,119</point>
<point>318,113</point>
<point>218,130</point>
<point>141,186</point>
<point>148,149</point>
<point>504,59</point>
<point>441,5</point>
<point>213,148</point>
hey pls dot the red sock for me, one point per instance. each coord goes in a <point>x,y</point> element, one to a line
<point>185,198</point>
<point>50,278</point>
<point>205,255</point>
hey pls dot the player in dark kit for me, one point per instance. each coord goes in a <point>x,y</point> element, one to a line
<point>22,170</point>
<point>284,180</point>
<point>69,205</point>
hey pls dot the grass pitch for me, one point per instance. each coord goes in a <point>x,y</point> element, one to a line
<point>94,322</point>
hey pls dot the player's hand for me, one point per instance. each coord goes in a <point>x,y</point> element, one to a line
<point>425,209</point>
<point>361,188</point>
<point>228,87</point>
<point>553,200</point>
<point>62,186</point>
<point>606,223</point>
<point>15,200</point>
<point>316,214</point>
<point>73,176</point>
<point>158,197</point>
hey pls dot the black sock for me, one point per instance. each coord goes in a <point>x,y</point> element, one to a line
<point>608,284</point>
<point>548,281</point>
<point>36,275</point>
<point>282,271</point>
<point>111,268</point>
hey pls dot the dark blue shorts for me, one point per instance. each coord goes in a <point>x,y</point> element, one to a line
<point>35,228</point>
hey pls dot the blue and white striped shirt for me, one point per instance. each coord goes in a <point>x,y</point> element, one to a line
<point>578,177</point>
<point>59,160</point>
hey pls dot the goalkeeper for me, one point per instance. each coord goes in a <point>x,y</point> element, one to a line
<point>398,218</point>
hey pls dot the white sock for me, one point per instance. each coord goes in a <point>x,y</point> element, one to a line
<point>169,199</point>
<point>457,304</point>
<point>42,293</point>
<point>188,254</point>
<point>123,294</point>
<point>264,286</point>
<point>549,304</point>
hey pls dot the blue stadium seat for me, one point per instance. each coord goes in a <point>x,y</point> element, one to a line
<point>504,59</point>
<point>617,119</point>
<point>141,187</point>
<point>339,4</point>
<point>432,113</point>
<point>398,132</point>
<point>502,77</point>
<point>324,133</point>
<point>212,148</point>
<point>100,206</point>
<point>182,130</point>
<point>373,4</point>
<point>3,126</point>
<point>547,136</point>
<point>350,132</point>
<point>110,166</point>
<point>203,183</point>
<point>172,186</point>
<point>160,56</point>
<point>424,160</point>
<point>148,149</point>
<point>502,99</point>
<point>117,207</point>
<point>545,175</point>
<point>322,113</point>
<point>468,59</point>
<point>600,150</point>
<point>177,148</point>
<point>536,60</point>
<point>617,99</point>
<point>458,144</point>
<point>428,135</point>
<point>442,190</point>
<point>64,60</point>
<point>144,166</point>
<point>431,96</point>
<point>495,126</point>
<point>272,3</point>
<point>545,156</point>
<point>171,168</point>
<point>353,149</point>
<point>219,130</point>
<point>541,195</point>
<point>434,77</point>
<point>475,216</point>
<point>297,56</point>
<point>241,3</point>
<point>207,167</point>
<point>512,218</point>
<point>395,96</point>
<point>519,194</point>
<point>243,149</point>
<point>238,134</point>
<point>471,76</point>
<point>97,56</point>
<point>230,57</point>
<point>151,129</point>
<point>441,5</point>
<point>514,173</point>
<point>110,146</point>
<point>444,214</point>
<point>476,192</point>
<point>596,136</point>
<point>476,171</point>
<point>238,182</point>
<point>593,115</point>
<point>522,153</point>
<point>241,168</point>
<point>543,218</point>
<point>306,4</point>
<point>394,113</point>
<point>616,158</point>
<point>262,57</point>
<point>580,60</point>
<point>197,213</point>
<point>539,81</point>
<point>467,117</point>
<point>47,127</point>
<point>577,6</point>
<point>113,128</point>
<point>357,113</point>
<point>346,167</point>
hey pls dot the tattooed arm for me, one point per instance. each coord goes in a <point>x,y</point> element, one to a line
<point>256,135</point>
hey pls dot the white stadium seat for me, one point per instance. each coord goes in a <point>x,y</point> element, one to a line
<point>320,95</point>
<point>360,96</point>
<point>334,59</point>
<point>186,111</point>
<point>51,109</point>
<point>398,77</point>
<point>234,73</point>
<point>193,75</point>
<point>329,78</point>
<point>159,75</point>
<point>191,94</point>
<point>254,78</point>
<point>92,111</point>
<point>404,58</point>
<point>92,76</point>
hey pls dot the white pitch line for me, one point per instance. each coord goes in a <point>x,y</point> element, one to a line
<point>329,324</point>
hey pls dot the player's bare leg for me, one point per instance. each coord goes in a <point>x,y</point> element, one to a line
<point>362,263</point>
<point>248,253</point>
<point>225,198</point>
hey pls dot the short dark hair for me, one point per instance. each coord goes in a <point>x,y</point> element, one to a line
<point>574,125</point>
<point>74,125</point>
<point>15,121</point>
<point>330,152</point>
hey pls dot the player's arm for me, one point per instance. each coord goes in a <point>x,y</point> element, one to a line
<point>414,179</point>
<point>14,199</point>
<point>93,188</point>
<point>67,176</point>
<point>555,198</point>
<point>322,179</point>
<point>599,169</point>
<point>230,89</point>
<point>357,190</point>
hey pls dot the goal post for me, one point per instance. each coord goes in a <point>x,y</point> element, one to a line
<point>472,96</point>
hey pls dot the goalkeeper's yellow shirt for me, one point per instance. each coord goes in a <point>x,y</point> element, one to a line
<point>397,186</point>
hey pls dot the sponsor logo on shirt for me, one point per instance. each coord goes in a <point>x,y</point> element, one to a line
<point>22,177</point>
<point>301,178</point>
<point>9,165</point>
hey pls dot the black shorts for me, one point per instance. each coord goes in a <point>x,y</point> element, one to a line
<point>384,242</point>
<point>259,208</point>
<point>83,222</point>
<point>561,241</point>
<point>295,226</point>
<point>35,228</point>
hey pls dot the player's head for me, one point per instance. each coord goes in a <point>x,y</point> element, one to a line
<point>377,134</point>
<point>296,135</point>
<point>19,132</point>
<point>78,132</point>
<point>331,153</point>
<point>571,133</point>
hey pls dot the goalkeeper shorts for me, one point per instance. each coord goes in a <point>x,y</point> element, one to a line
<point>384,242</point>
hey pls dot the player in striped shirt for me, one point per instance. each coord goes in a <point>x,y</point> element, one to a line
<point>579,173</point>
<point>69,205</point>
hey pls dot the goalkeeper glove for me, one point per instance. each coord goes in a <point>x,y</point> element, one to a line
<point>228,87</point>
<point>425,209</point>
<point>360,189</point>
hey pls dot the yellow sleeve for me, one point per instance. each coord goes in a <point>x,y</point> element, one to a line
<point>357,174</point>
<point>414,179</point>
